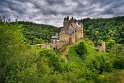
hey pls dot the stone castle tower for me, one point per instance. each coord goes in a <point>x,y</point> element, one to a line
<point>102,47</point>
<point>72,31</point>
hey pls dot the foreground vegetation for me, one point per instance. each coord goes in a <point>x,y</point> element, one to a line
<point>21,62</point>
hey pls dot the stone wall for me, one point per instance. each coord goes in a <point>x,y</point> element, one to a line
<point>64,37</point>
<point>102,47</point>
<point>79,33</point>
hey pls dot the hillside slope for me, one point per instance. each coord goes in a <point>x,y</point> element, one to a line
<point>104,29</point>
<point>25,63</point>
<point>38,33</point>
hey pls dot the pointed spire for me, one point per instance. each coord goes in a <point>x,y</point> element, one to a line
<point>67,18</point>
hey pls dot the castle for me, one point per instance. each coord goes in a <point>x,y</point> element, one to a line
<point>71,31</point>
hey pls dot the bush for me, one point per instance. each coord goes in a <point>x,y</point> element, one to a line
<point>117,55</point>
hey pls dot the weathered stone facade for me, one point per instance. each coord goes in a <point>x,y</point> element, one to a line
<point>101,47</point>
<point>72,31</point>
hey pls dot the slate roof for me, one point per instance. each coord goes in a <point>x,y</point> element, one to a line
<point>55,37</point>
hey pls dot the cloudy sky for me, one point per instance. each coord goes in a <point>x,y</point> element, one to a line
<point>53,11</point>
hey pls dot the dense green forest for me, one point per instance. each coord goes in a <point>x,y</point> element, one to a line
<point>22,62</point>
<point>38,33</point>
<point>104,29</point>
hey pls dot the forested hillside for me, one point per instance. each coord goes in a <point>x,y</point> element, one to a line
<point>38,33</point>
<point>104,29</point>
<point>97,30</point>
<point>22,62</point>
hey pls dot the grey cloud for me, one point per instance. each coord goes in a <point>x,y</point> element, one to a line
<point>54,2</point>
<point>53,11</point>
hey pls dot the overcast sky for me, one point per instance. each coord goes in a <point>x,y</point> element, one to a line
<point>53,11</point>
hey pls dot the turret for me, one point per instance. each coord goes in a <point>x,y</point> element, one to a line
<point>67,18</point>
<point>72,18</point>
<point>66,21</point>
